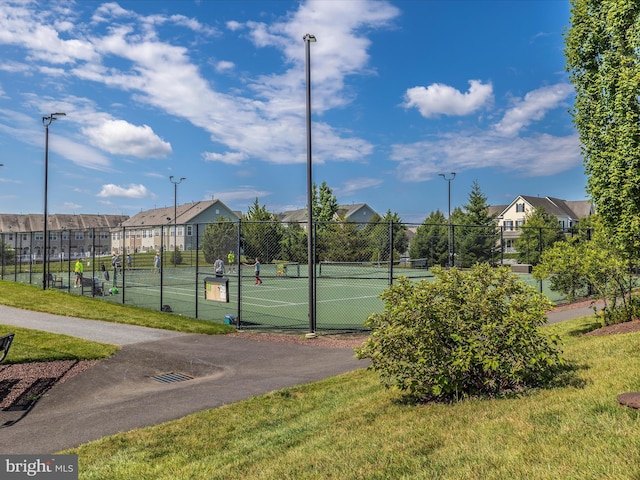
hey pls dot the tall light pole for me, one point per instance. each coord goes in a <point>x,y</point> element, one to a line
<point>453,175</point>
<point>175,214</point>
<point>46,121</point>
<point>308,38</point>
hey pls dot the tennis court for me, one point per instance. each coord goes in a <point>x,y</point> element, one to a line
<point>346,292</point>
<point>281,301</point>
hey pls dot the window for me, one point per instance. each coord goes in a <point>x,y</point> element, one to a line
<point>508,225</point>
<point>189,230</point>
<point>65,235</point>
<point>519,223</point>
<point>79,236</point>
<point>519,207</point>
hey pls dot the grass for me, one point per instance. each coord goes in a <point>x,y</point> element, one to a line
<point>37,346</point>
<point>349,427</point>
<point>62,303</point>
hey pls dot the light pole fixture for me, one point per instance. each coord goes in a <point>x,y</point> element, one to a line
<point>175,215</point>
<point>46,121</point>
<point>449,179</point>
<point>308,39</point>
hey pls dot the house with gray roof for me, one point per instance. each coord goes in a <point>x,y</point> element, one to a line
<point>168,228</point>
<point>512,217</point>
<point>357,212</point>
<point>70,236</point>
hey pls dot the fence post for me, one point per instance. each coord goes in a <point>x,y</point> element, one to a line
<point>239,274</point>
<point>390,251</point>
<point>161,262</point>
<point>540,254</point>
<point>197,262</point>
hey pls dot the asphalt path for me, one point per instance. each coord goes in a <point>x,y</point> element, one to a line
<point>120,393</point>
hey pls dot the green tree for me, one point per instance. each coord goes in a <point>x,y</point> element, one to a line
<point>345,242</point>
<point>431,240</point>
<point>293,246</point>
<point>466,333</point>
<point>539,232</point>
<point>602,50</point>
<point>7,253</point>
<point>219,238</point>
<point>325,204</point>
<point>261,234</point>
<point>378,232</point>
<point>594,262</point>
<point>476,237</point>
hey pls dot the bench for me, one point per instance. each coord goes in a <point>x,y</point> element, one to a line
<point>93,284</point>
<point>55,281</point>
<point>5,343</point>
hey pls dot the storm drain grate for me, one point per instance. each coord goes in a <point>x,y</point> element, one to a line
<point>172,377</point>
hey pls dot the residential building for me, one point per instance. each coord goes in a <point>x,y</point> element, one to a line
<point>512,217</point>
<point>157,229</point>
<point>70,236</point>
<point>357,212</point>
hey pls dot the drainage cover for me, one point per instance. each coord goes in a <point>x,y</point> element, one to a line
<point>172,377</point>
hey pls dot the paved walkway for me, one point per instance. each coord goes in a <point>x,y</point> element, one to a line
<point>120,393</point>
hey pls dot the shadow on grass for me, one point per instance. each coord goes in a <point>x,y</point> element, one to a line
<point>562,376</point>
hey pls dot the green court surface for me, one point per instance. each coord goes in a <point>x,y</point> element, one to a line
<point>281,301</point>
<point>345,294</point>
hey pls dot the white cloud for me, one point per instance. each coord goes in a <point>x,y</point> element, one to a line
<point>243,193</point>
<point>122,138</point>
<point>19,27</point>
<point>537,156</point>
<point>231,158</point>
<point>131,58</point>
<point>439,99</point>
<point>354,185</point>
<point>131,191</point>
<point>224,66</point>
<point>533,107</point>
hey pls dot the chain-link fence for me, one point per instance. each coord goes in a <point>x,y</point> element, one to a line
<point>265,280</point>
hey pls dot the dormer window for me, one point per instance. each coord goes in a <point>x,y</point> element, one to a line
<point>519,207</point>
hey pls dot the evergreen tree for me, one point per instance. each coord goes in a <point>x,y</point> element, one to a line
<point>477,237</point>
<point>325,204</point>
<point>261,234</point>
<point>293,246</point>
<point>218,238</point>
<point>431,240</point>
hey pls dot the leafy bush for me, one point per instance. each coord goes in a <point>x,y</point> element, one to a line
<point>467,333</point>
<point>176,257</point>
<point>592,264</point>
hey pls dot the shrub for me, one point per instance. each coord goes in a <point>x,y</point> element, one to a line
<point>176,257</point>
<point>467,333</point>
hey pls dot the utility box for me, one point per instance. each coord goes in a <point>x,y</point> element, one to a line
<point>216,289</point>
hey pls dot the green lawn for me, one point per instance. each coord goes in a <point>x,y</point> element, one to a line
<point>349,427</point>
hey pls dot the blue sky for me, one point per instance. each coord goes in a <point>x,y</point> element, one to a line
<point>214,91</point>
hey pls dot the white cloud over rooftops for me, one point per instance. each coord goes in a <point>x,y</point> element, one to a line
<point>130,191</point>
